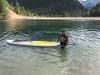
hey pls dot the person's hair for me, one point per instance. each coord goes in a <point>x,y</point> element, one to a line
<point>63,31</point>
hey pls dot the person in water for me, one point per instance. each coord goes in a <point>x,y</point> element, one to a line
<point>63,39</point>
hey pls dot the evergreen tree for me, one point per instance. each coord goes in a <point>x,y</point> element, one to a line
<point>49,7</point>
<point>95,11</point>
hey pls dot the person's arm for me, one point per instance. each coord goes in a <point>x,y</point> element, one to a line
<point>59,38</point>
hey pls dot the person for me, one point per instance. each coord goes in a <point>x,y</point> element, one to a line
<point>63,39</point>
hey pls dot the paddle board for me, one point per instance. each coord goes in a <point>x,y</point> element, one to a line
<point>34,43</point>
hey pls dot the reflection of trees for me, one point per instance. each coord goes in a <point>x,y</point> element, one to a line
<point>18,27</point>
<point>11,25</point>
<point>15,24</point>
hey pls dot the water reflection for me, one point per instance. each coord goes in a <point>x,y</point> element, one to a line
<point>63,54</point>
<point>79,59</point>
<point>11,25</point>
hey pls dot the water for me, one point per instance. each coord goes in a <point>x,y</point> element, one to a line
<point>80,57</point>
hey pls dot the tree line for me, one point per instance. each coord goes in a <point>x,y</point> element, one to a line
<point>50,10</point>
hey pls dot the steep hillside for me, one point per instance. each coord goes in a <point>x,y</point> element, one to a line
<point>3,8</point>
<point>51,7</point>
<point>88,4</point>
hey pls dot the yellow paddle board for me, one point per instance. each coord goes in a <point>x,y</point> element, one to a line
<point>34,43</point>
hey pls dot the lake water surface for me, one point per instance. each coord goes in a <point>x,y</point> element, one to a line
<point>80,57</point>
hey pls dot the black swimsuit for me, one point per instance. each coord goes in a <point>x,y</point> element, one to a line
<point>63,40</point>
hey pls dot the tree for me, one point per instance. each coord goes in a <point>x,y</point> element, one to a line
<point>95,11</point>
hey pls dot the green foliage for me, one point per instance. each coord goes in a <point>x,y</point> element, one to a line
<point>53,8</point>
<point>21,10</point>
<point>48,7</point>
<point>3,7</point>
<point>95,11</point>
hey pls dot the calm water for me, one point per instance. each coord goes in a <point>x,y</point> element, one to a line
<point>80,57</point>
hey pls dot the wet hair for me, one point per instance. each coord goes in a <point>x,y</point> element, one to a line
<point>63,31</point>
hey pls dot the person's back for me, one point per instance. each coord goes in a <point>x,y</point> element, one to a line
<point>63,39</point>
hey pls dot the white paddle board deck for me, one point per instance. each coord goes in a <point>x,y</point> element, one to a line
<point>34,43</point>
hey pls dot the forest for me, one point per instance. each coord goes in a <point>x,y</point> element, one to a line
<point>48,8</point>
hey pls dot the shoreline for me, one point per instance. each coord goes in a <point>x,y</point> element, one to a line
<point>13,16</point>
<point>62,18</point>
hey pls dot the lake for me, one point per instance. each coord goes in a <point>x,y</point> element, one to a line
<point>80,57</point>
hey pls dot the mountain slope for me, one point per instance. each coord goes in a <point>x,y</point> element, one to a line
<point>3,8</point>
<point>88,4</point>
<point>95,11</point>
<point>51,7</point>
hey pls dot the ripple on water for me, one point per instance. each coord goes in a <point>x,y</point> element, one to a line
<point>81,57</point>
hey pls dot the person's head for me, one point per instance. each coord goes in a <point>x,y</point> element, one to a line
<point>63,33</point>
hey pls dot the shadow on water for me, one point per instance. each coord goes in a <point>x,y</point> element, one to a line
<point>63,52</point>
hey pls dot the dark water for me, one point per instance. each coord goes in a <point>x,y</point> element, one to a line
<point>80,57</point>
